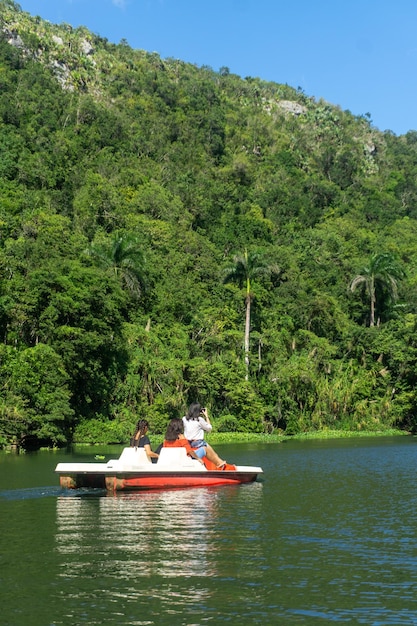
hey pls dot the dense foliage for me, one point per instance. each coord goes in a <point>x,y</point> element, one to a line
<point>149,207</point>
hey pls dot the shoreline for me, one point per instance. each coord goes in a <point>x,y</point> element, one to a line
<point>236,438</point>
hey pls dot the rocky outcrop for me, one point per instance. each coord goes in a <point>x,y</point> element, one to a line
<point>13,38</point>
<point>292,107</point>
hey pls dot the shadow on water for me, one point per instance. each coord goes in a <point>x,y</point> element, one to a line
<point>49,492</point>
<point>30,494</point>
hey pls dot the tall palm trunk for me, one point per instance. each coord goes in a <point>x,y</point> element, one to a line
<point>246,267</point>
<point>247,334</point>
<point>373,301</point>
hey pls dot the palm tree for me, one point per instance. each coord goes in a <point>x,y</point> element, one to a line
<point>245,268</point>
<point>123,256</point>
<point>383,272</point>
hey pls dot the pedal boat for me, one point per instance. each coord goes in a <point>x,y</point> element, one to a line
<point>134,471</point>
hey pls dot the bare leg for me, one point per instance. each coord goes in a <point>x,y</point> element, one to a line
<point>213,456</point>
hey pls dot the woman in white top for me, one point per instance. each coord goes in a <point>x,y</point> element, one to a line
<point>196,423</point>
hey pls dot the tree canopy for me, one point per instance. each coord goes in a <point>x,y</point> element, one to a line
<point>131,185</point>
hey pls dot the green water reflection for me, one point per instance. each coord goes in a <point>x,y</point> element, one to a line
<point>328,535</point>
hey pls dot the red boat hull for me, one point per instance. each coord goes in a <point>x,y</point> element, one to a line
<point>115,483</point>
<point>137,482</point>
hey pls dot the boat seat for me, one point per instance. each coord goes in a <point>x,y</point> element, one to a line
<point>132,458</point>
<point>174,457</point>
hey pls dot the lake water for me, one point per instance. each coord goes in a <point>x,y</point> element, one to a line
<point>327,536</point>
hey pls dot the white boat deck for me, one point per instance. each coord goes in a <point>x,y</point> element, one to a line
<point>136,460</point>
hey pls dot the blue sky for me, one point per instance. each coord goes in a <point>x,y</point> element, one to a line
<point>360,54</point>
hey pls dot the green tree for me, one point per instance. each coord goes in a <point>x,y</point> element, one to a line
<point>383,272</point>
<point>246,267</point>
<point>122,256</point>
<point>36,402</point>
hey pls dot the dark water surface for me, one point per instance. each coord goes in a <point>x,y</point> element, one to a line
<point>329,535</point>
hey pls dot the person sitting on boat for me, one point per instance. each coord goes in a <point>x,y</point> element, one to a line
<point>174,438</point>
<point>141,440</point>
<point>196,423</point>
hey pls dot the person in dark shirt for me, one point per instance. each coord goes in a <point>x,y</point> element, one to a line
<point>141,440</point>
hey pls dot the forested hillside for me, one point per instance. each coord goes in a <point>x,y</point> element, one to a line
<point>171,233</point>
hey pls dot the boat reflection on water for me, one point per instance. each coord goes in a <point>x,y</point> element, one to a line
<point>165,533</point>
<point>174,529</point>
<point>138,557</point>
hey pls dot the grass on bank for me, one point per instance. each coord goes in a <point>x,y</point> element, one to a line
<point>279,438</point>
<point>236,438</point>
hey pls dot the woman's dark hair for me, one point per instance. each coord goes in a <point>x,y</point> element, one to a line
<point>141,426</point>
<point>175,428</point>
<point>194,411</point>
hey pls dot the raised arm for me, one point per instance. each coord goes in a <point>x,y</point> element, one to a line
<point>205,421</point>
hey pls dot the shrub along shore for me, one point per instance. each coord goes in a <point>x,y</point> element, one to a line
<point>237,438</point>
